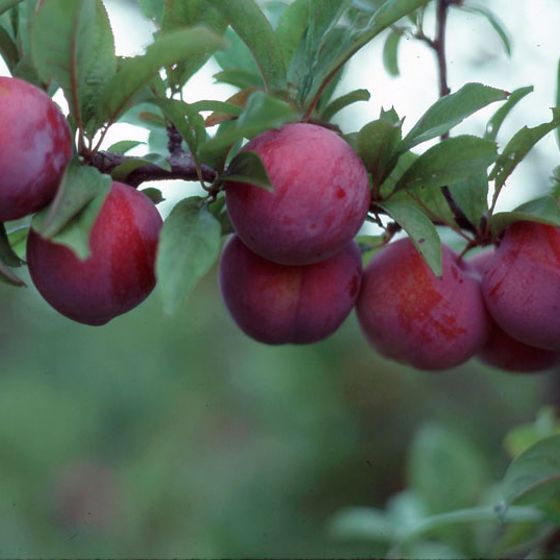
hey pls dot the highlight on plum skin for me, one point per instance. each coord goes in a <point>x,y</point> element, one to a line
<point>320,199</point>
<point>36,148</point>
<point>503,351</point>
<point>521,284</point>
<point>410,315</point>
<point>120,272</point>
<point>278,304</point>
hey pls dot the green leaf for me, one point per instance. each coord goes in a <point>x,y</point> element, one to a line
<point>521,438</point>
<point>449,162</point>
<point>420,229</point>
<point>534,476</point>
<point>124,146</point>
<point>519,146</point>
<point>237,56</point>
<point>71,215</point>
<point>343,101</point>
<point>291,27</point>
<point>153,194</point>
<point>247,167</point>
<point>450,110</point>
<point>8,277</point>
<point>8,49</point>
<point>558,100</point>
<point>137,72</point>
<point>391,52</point>
<point>376,144</point>
<point>362,523</point>
<point>217,107</point>
<point>445,470</point>
<point>189,245</point>
<point>152,9</point>
<point>332,60</point>
<point>61,45</point>
<point>471,195</point>
<point>249,22</point>
<point>145,115</point>
<point>6,5</point>
<point>100,65</point>
<point>187,121</point>
<point>545,210</point>
<point>239,78</point>
<point>261,113</point>
<point>495,123</point>
<point>496,24</point>
<point>18,240</point>
<point>7,254</point>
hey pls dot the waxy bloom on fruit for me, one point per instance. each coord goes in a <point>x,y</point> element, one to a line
<point>320,198</point>
<point>412,316</point>
<point>36,147</point>
<point>521,284</point>
<point>118,275</point>
<point>279,304</point>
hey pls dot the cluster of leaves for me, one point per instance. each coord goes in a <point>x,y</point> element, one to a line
<point>286,61</point>
<point>453,509</point>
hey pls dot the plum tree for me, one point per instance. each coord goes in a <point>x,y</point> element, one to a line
<point>119,273</point>
<point>521,285</point>
<point>503,351</point>
<point>320,198</point>
<point>36,147</point>
<point>412,316</point>
<point>279,304</point>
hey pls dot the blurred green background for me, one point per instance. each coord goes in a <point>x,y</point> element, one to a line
<point>180,437</point>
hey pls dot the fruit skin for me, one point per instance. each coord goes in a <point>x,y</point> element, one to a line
<point>36,147</point>
<point>278,304</point>
<point>412,316</point>
<point>521,285</point>
<point>320,198</point>
<point>119,273</point>
<point>501,350</point>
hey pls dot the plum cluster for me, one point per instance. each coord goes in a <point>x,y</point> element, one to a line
<point>292,273</point>
<point>119,273</point>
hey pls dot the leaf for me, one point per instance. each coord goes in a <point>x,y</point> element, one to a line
<point>124,146</point>
<point>136,72</point>
<point>420,229</point>
<point>8,49</point>
<point>189,245</point>
<point>471,195</point>
<point>237,56</point>
<point>391,52</point>
<point>545,210</point>
<point>153,194</point>
<point>7,254</point>
<point>71,215</point>
<point>445,470</point>
<point>239,78</point>
<point>261,113</point>
<point>247,167</point>
<point>376,145</point>
<point>187,121</point>
<point>248,21</point>
<point>521,438</point>
<point>496,24</point>
<point>332,61</point>
<point>362,523</point>
<point>61,44</point>
<point>495,123</point>
<point>152,9</point>
<point>450,110</point>
<point>6,5</point>
<point>534,476</point>
<point>343,101</point>
<point>291,27</point>
<point>8,277</point>
<point>519,146</point>
<point>449,162</point>
<point>558,100</point>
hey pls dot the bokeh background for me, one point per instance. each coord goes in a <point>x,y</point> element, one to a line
<point>177,436</point>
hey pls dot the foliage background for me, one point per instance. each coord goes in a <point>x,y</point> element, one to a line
<point>162,436</point>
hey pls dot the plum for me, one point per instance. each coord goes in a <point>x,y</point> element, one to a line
<point>320,199</point>
<point>36,148</point>
<point>521,284</point>
<point>503,351</point>
<point>119,273</point>
<point>279,304</point>
<point>410,315</point>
